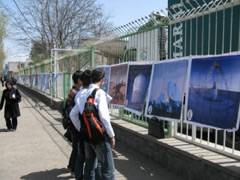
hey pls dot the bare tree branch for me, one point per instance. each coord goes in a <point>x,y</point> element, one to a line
<point>58,23</point>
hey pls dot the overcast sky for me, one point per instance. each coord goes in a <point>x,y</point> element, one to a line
<point>122,11</point>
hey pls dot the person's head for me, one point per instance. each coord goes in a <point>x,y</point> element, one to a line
<point>76,78</point>
<point>8,85</point>
<point>86,78</point>
<point>98,76</point>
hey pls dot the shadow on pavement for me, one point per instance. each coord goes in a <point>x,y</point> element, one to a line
<point>3,130</point>
<point>133,165</point>
<point>54,174</point>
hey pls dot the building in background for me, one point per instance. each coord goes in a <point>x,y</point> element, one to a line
<point>12,67</point>
<point>203,27</point>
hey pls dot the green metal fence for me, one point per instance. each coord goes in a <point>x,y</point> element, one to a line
<point>141,40</point>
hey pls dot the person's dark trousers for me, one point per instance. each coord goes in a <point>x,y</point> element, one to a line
<point>14,123</point>
<point>73,157</point>
<point>8,123</point>
<point>80,160</point>
<point>2,83</point>
<point>102,153</point>
<point>11,124</point>
<point>98,171</point>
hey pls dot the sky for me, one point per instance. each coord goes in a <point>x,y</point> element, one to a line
<point>122,11</point>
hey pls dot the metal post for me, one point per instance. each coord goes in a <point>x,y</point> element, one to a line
<point>216,31</point>
<point>55,72</point>
<point>209,31</point>
<point>194,129</point>
<point>191,37</point>
<point>231,27</point>
<point>202,32</point>
<point>223,31</point>
<point>185,38</point>
<point>239,35</point>
<point>196,39</point>
<point>92,57</point>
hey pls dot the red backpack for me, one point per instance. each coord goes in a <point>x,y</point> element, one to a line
<point>92,128</point>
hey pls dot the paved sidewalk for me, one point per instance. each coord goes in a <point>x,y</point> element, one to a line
<point>38,150</point>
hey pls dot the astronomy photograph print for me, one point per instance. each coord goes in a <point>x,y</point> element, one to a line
<point>118,82</point>
<point>214,92</point>
<point>137,87</point>
<point>167,89</point>
<point>107,70</point>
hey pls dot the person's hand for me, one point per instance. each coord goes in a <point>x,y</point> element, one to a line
<point>112,142</point>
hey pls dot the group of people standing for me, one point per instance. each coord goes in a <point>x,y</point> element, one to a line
<point>89,160</point>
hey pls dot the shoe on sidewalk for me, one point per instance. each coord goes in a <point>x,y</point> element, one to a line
<point>8,130</point>
<point>72,174</point>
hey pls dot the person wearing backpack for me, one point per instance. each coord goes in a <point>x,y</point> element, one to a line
<point>80,99</point>
<point>99,134</point>
<point>76,77</point>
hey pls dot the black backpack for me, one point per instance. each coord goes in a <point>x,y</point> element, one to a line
<point>65,115</point>
<point>92,128</point>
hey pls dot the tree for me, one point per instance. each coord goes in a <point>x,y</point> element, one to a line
<point>38,52</point>
<point>57,23</point>
<point>2,36</point>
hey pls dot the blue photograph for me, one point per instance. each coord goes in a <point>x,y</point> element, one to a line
<point>167,90</point>
<point>137,86</point>
<point>214,92</point>
<point>42,80</point>
<point>106,77</point>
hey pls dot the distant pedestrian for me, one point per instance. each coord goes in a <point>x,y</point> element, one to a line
<point>14,80</point>
<point>11,96</point>
<point>2,80</point>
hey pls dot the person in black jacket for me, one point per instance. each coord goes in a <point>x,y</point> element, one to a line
<point>12,97</point>
<point>74,133</point>
<point>2,80</point>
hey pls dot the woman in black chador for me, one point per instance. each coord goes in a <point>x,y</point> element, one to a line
<point>12,97</point>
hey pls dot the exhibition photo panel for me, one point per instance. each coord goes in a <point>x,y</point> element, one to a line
<point>167,87</point>
<point>214,92</point>
<point>137,87</point>
<point>118,83</point>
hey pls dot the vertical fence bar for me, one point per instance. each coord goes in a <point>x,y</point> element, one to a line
<point>239,34</point>
<point>224,139</point>
<point>216,31</point>
<point>208,135</point>
<point>216,137</point>
<point>194,129</point>
<point>209,32</point>
<point>202,32</point>
<point>191,37</point>
<point>201,134</point>
<point>196,39</point>
<point>231,29</point>
<point>233,142</point>
<point>223,31</point>
<point>92,57</point>
<point>185,39</point>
